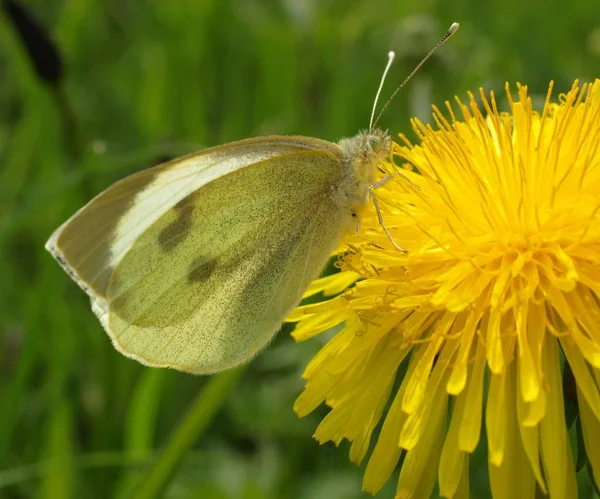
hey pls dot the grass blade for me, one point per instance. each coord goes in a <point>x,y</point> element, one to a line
<point>187,433</point>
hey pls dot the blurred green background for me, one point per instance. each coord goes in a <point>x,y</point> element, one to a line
<point>148,81</point>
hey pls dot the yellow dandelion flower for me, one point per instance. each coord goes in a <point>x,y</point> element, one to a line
<point>468,331</point>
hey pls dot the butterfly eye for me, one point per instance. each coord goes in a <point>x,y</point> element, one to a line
<point>375,143</point>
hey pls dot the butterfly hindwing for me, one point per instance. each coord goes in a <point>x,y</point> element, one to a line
<point>207,285</point>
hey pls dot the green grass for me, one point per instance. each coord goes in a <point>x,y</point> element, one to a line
<point>146,81</point>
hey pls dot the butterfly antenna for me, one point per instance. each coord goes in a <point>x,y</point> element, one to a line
<point>443,40</point>
<point>391,56</point>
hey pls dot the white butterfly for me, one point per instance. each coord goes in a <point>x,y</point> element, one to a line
<point>195,263</point>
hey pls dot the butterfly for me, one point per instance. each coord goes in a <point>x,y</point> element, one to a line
<point>194,264</point>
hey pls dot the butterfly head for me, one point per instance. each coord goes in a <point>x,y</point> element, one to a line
<point>367,146</point>
<point>377,143</point>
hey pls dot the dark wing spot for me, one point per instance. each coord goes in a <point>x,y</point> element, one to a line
<point>173,234</point>
<point>201,269</point>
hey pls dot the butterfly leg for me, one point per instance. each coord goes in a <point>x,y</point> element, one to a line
<point>390,177</point>
<point>379,183</point>
<point>380,216</point>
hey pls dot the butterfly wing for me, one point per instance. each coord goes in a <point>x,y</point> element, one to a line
<point>206,283</point>
<point>90,244</point>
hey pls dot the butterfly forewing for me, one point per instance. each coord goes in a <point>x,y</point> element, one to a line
<point>91,243</point>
